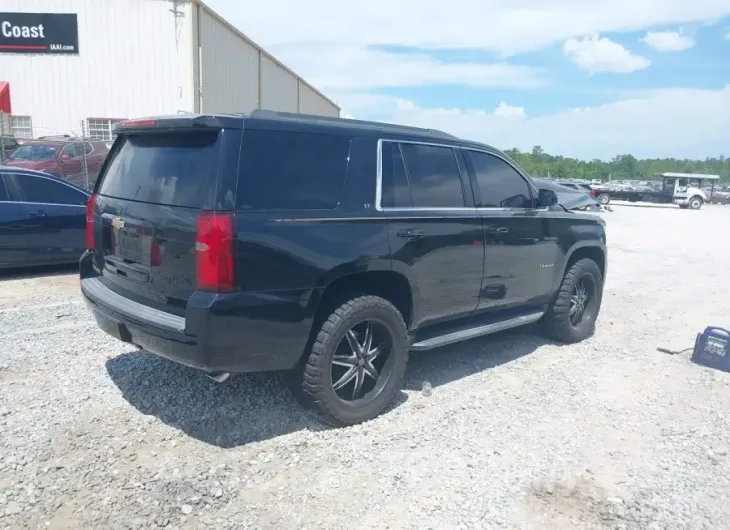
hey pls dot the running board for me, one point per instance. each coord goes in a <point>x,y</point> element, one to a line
<point>478,331</point>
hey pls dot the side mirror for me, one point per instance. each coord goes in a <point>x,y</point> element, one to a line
<point>66,158</point>
<point>547,197</point>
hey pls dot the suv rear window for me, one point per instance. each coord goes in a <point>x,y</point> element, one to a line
<point>170,169</point>
<point>291,171</point>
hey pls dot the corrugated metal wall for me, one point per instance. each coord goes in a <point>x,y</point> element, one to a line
<point>136,58</point>
<point>312,103</point>
<point>133,61</point>
<point>230,68</point>
<point>278,87</point>
<point>237,76</point>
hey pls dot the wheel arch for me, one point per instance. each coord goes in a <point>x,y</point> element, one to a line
<point>698,197</point>
<point>582,250</point>
<point>386,283</point>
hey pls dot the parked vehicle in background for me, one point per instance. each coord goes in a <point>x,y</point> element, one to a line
<point>9,145</point>
<point>329,247</point>
<point>720,197</point>
<point>586,188</point>
<point>42,219</point>
<point>61,156</point>
<point>683,189</point>
<point>570,197</point>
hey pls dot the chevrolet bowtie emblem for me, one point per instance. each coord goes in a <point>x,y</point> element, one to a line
<point>117,223</point>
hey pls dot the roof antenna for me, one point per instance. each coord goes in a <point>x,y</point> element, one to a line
<point>178,15</point>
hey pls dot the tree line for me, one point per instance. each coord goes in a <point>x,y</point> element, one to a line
<point>538,163</point>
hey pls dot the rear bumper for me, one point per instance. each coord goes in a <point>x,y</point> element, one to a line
<point>219,333</point>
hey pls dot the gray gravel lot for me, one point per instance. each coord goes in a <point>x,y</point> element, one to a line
<point>519,432</point>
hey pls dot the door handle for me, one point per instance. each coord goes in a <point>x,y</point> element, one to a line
<point>498,230</point>
<point>38,213</point>
<point>411,233</point>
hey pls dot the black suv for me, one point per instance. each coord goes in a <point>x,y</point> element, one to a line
<point>328,247</point>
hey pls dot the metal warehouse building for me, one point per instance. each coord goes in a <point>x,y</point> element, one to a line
<point>75,66</point>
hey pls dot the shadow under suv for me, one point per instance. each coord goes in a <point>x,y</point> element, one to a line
<point>328,247</point>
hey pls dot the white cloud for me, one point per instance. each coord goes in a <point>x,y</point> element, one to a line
<point>727,35</point>
<point>503,26</point>
<point>668,41</point>
<point>677,123</point>
<point>596,54</point>
<point>339,47</point>
<point>509,111</point>
<point>348,67</point>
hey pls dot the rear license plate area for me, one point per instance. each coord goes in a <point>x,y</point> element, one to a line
<point>132,246</point>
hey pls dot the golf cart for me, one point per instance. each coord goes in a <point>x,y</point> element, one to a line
<point>683,189</point>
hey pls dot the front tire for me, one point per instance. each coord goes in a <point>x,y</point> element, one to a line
<point>695,203</point>
<point>356,363</point>
<point>572,316</point>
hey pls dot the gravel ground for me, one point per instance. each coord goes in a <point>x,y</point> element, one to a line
<point>518,432</point>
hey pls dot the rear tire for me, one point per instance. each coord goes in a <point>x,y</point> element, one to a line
<point>604,198</point>
<point>572,316</point>
<point>356,363</point>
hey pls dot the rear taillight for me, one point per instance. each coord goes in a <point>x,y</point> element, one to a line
<point>90,222</point>
<point>593,193</point>
<point>215,252</point>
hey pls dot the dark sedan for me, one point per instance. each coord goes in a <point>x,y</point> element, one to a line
<point>42,219</point>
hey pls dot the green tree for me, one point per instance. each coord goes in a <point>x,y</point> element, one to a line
<point>622,167</point>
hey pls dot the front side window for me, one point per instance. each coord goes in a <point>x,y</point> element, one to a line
<point>500,185</point>
<point>434,176</point>
<point>291,171</point>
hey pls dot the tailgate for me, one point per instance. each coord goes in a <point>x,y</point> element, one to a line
<point>148,199</point>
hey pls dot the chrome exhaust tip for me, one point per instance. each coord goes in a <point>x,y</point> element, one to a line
<point>218,377</point>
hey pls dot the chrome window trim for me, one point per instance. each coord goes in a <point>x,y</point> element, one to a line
<point>44,203</point>
<point>379,180</point>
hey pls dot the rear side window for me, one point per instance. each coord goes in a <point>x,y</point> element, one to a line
<point>395,192</point>
<point>434,176</point>
<point>291,171</point>
<point>170,169</point>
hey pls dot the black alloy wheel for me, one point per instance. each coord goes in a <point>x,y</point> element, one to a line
<point>360,364</point>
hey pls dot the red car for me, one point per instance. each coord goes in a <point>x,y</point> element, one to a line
<point>61,157</point>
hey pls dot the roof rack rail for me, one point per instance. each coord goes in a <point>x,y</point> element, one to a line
<point>347,122</point>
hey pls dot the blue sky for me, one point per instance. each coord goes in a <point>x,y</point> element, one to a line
<point>706,65</point>
<point>585,79</point>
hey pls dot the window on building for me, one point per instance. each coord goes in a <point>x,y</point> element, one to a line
<point>500,185</point>
<point>434,176</point>
<point>21,127</point>
<point>101,128</point>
